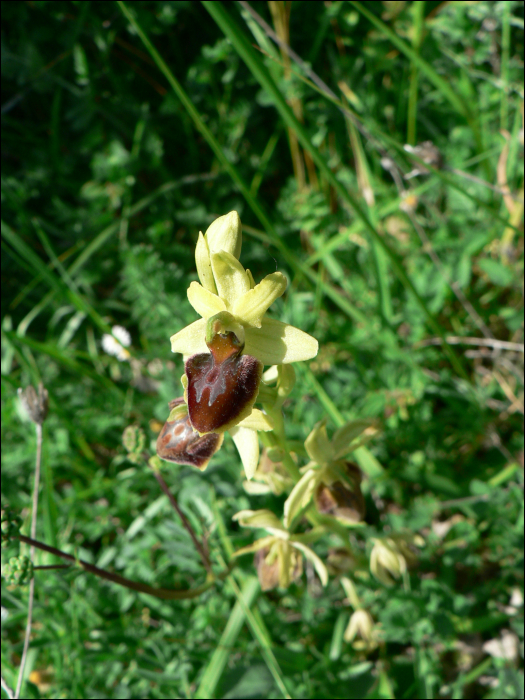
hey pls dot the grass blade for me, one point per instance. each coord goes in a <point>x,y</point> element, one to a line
<point>254,63</point>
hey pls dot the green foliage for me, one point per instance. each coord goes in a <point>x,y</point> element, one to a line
<point>108,177</point>
<point>18,571</point>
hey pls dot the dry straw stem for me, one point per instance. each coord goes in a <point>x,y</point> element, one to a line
<point>485,342</point>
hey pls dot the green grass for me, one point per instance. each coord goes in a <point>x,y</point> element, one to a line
<point>129,127</point>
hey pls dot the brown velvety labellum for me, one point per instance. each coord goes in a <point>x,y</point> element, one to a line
<point>339,500</point>
<point>179,443</point>
<point>222,385</point>
<point>268,574</point>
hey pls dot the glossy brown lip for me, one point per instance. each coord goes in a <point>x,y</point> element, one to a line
<point>222,384</point>
<point>178,442</point>
<point>339,500</point>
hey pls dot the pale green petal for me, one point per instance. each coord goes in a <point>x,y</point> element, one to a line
<point>250,277</point>
<point>203,262</point>
<point>247,443</point>
<point>190,339</point>
<point>225,233</point>
<point>286,565</point>
<point>257,420</point>
<point>314,559</point>
<point>300,496</point>
<point>271,375</point>
<point>255,488</point>
<point>318,445</point>
<point>230,277</point>
<point>204,302</point>
<point>251,307</point>
<point>258,518</point>
<point>276,342</point>
<point>379,572</point>
<point>344,436</point>
<point>258,544</point>
<point>279,532</point>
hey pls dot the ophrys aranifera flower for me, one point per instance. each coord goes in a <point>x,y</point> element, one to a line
<point>227,348</point>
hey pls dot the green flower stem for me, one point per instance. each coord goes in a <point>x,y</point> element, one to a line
<point>277,438</point>
<point>164,593</point>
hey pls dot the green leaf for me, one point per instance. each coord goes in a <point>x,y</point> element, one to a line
<point>499,274</point>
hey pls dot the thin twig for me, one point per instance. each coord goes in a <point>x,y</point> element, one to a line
<point>184,519</point>
<point>164,593</point>
<point>463,501</point>
<point>288,50</point>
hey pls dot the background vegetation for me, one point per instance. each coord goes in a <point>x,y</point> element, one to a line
<point>110,169</point>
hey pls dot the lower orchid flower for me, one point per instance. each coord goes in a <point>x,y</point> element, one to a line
<point>278,557</point>
<point>332,482</point>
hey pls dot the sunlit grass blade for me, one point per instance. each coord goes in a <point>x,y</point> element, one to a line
<point>215,668</point>
<point>261,634</point>
<point>98,242</point>
<point>65,289</point>
<point>52,350</point>
<point>460,105</point>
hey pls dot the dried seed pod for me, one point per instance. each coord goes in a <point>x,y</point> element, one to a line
<point>35,405</point>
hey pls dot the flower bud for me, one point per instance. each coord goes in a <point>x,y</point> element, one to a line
<point>386,561</point>
<point>225,233</point>
<point>18,570</point>
<point>10,526</point>
<point>134,439</point>
<point>361,629</point>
